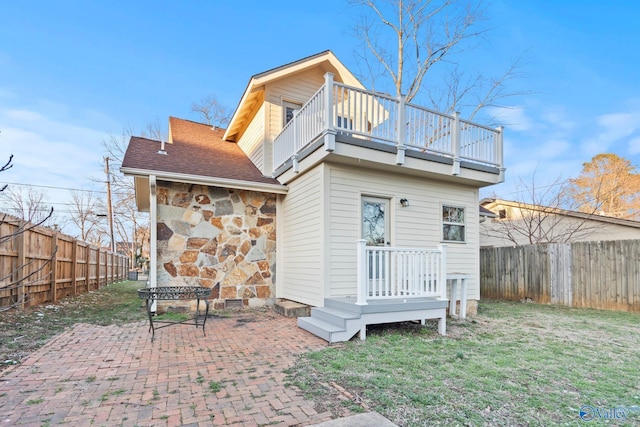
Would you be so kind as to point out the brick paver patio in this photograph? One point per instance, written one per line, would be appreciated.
(114, 375)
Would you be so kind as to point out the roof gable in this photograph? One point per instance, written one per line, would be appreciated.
(326, 61)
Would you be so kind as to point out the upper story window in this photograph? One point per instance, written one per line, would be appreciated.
(453, 224)
(344, 123)
(289, 109)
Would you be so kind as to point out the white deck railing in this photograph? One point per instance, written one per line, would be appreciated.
(381, 118)
(386, 272)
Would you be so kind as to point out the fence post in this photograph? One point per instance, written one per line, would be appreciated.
(22, 261)
(362, 276)
(87, 267)
(98, 268)
(74, 267)
(54, 266)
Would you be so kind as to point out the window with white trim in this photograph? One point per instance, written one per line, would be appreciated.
(453, 224)
(289, 110)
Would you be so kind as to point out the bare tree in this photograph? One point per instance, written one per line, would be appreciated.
(540, 214)
(212, 111)
(403, 40)
(6, 167)
(609, 185)
(27, 204)
(84, 214)
(27, 273)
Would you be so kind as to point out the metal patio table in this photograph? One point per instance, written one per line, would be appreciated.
(166, 293)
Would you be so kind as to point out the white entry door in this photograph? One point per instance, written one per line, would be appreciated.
(375, 230)
(375, 221)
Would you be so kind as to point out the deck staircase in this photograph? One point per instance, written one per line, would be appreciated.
(341, 318)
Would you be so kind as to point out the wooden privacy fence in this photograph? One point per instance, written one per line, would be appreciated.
(604, 275)
(33, 272)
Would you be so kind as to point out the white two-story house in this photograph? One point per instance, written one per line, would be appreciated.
(321, 192)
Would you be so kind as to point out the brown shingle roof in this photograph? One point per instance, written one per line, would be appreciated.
(197, 150)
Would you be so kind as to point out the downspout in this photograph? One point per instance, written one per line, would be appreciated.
(153, 228)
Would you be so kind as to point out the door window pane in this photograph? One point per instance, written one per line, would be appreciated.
(374, 221)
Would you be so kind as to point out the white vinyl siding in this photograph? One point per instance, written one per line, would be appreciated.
(252, 140)
(301, 244)
(418, 225)
(296, 89)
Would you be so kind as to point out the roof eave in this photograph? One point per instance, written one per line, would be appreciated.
(209, 181)
(573, 214)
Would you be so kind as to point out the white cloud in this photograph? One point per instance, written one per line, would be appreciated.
(557, 119)
(634, 145)
(553, 148)
(52, 149)
(619, 125)
(513, 118)
(612, 129)
(23, 115)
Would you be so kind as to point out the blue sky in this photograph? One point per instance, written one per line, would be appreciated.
(74, 72)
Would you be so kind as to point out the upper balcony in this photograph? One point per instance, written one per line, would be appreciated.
(342, 114)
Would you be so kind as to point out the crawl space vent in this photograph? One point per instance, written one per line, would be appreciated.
(233, 303)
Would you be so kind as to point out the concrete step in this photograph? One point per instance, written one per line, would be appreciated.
(291, 308)
(360, 420)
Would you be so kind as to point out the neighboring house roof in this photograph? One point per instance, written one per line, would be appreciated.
(195, 153)
(254, 91)
(486, 212)
(497, 203)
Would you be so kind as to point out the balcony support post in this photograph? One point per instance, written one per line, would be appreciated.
(402, 130)
(455, 144)
(330, 136)
(294, 163)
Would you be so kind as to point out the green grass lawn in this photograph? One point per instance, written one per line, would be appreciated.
(513, 364)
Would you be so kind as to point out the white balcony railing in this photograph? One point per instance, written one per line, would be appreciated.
(362, 114)
(389, 273)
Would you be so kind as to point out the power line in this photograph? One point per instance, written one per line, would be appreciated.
(119, 193)
(51, 187)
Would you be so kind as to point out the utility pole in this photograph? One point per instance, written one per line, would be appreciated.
(109, 205)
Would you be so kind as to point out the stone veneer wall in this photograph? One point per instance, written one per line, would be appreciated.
(220, 238)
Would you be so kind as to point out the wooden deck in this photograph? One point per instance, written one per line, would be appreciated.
(341, 318)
